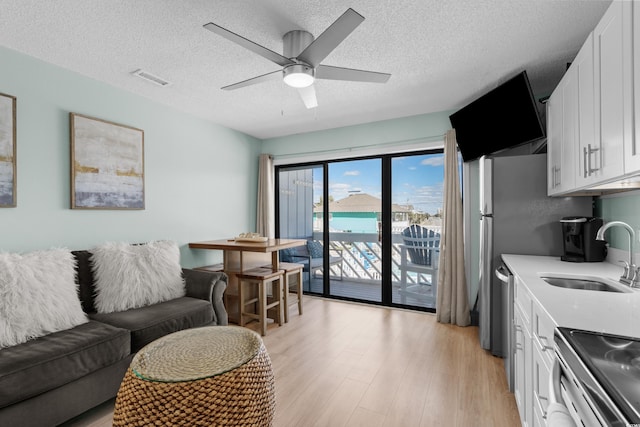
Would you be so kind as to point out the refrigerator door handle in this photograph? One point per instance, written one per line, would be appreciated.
(502, 274)
(484, 284)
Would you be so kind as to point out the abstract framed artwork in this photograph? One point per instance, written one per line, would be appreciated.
(107, 164)
(7, 151)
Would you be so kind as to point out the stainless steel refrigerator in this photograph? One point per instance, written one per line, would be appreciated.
(516, 217)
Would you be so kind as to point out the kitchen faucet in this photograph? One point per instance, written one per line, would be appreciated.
(630, 274)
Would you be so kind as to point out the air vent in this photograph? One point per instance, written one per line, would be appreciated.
(151, 78)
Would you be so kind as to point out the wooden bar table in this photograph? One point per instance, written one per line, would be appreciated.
(240, 255)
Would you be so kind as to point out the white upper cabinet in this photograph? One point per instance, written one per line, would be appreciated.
(554, 141)
(587, 144)
(569, 129)
(599, 110)
(562, 134)
(632, 149)
(612, 39)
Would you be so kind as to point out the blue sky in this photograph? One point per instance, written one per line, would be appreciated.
(416, 180)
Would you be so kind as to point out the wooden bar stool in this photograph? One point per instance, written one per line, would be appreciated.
(259, 279)
(292, 280)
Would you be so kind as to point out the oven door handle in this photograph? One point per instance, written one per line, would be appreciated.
(557, 413)
(555, 390)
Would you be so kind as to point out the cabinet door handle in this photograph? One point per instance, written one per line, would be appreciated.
(584, 152)
(590, 151)
(554, 176)
(543, 343)
(539, 400)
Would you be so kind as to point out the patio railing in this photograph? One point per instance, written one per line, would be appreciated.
(362, 256)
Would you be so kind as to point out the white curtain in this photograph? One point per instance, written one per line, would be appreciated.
(265, 221)
(452, 302)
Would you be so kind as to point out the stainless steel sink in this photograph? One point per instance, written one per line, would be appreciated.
(585, 283)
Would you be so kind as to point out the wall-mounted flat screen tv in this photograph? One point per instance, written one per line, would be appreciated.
(502, 118)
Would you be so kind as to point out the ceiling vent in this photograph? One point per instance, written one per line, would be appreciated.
(151, 78)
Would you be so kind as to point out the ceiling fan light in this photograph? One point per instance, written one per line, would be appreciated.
(298, 75)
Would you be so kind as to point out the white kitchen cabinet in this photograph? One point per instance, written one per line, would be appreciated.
(562, 134)
(587, 144)
(591, 127)
(542, 328)
(522, 363)
(533, 358)
(522, 351)
(612, 40)
(539, 387)
(522, 299)
(632, 148)
(542, 352)
(554, 142)
(569, 129)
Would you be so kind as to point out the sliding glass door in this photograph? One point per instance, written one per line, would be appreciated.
(355, 229)
(372, 226)
(300, 192)
(417, 194)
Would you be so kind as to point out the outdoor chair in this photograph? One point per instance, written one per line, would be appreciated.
(419, 254)
(311, 256)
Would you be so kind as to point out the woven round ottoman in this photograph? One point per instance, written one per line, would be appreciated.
(211, 376)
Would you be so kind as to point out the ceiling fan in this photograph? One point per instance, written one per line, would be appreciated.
(302, 56)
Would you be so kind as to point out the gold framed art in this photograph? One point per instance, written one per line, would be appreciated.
(8, 175)
(107, 164)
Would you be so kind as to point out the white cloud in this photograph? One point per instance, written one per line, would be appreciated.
(427, 198)
(339, 190)
(352, 173)
(433, 161)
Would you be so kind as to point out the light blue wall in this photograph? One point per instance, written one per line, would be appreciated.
(428, 127)
(620, 207)
(200, 178)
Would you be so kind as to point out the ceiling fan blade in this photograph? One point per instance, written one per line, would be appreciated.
(308, 95)
(274, 75)
(248, 44)
(321, 47)
(328, 72)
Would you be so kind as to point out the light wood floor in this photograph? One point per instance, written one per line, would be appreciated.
(344, 364)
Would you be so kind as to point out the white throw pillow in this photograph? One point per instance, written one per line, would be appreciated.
(132, 276)
(38, 295)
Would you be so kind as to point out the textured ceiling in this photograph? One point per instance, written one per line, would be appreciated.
(441, 53)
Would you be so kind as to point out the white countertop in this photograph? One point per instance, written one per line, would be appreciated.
(610, 312)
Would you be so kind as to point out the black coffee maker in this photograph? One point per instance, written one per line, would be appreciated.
(579, 239)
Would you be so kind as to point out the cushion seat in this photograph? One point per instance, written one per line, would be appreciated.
(152, 322)
(59, 358)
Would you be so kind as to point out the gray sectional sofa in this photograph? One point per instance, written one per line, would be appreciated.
(49, 380)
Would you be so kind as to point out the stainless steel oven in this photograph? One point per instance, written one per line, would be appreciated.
(596, 377)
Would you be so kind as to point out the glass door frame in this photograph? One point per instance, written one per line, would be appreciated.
(386, 241)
